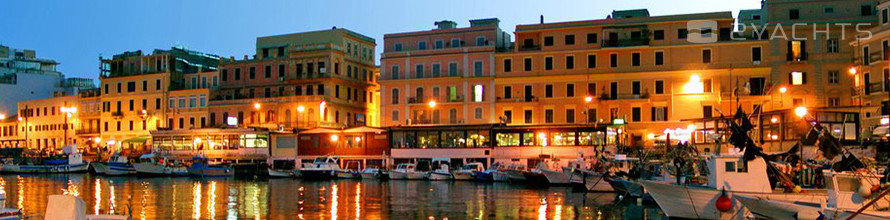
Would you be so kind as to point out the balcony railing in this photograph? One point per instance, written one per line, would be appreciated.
(518, 99)
(86, 131)
(606, 96)
(873, 88)
(529, 48)
(117, 114)
(625, 42)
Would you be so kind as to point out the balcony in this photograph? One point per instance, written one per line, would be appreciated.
(306, 76)
(606, 96)
(518, 99)
(874, 87)
(86, 131)
(625, 42)
(117, 114)
(455, 99)
(529, 48)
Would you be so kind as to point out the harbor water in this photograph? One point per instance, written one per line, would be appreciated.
(228, 198)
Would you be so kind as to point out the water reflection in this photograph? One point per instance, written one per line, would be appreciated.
(179, 198)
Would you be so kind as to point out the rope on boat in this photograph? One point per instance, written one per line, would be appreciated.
(688, 196)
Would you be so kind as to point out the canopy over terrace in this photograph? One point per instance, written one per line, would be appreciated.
(215, 143)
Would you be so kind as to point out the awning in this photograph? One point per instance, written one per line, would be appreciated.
(136, 140)
(881, 131)
(363, 129)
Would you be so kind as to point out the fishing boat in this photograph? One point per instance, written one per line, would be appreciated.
(70, 161)
(846, 193)
(592, 181)
(536, 176)
(371, 173)
(347, 173)
(117, 165)
(560, 176)
(322, 168)
(441, 173)
(489, 174)
(155, 165)
(469, 171)
(279, 173)
(406, 171)
(515, 172)
(728, 176)
(73, 207)
(202, 168)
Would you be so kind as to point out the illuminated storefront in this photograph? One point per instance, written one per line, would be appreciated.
(227, 144)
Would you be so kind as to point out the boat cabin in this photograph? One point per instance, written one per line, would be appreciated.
(733, 173)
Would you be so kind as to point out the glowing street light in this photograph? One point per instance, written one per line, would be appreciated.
(694, 86)
(301, 108)
(588, 99)
(256, 105)
(852, 70)
(432, 103)
(800, 111)
(335, 138)
(783, 89)
(773, 120)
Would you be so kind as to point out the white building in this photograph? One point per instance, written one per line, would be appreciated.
(23, 76)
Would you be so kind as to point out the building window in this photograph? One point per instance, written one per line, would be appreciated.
(797, 78)
(251, 73)
(480, 41)
(706, 55)
(508, 65)
(452, 69)
(867, 10)
(659, 113)
(418, 71)
(267, 71)
(834, 77)
(477, 113)
(570, 90)
(548, 41)
(707, 85)
(681, 33)
(508, 116)
(885, 16)
(591, 38)
(436, 70)
(439, 44)
(794, 14)
(635, 114)
(635, 59)
(548, 91)
(548, 116)
(658, 35)
(478, 93)
(659, 86)
(591, 61)
(834, 101)
(394, 74)
(591, 89)
(570, 115)
(796, 50)
(395, 115)
(508, 92)
(528, 64)
(659, 58)
(237, 73)
(635, 88)
(866, 56)
(477, 68)
(548, 63)
(527, 116)
(570, 39)
(707, 111)
(828, 10)
(570, 62)
(455, 42)
(398, 47)
(613, 60)
(756, 55)
(421, 45)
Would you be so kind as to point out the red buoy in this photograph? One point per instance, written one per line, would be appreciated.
(724, 203)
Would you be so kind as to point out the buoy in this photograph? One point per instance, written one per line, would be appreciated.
(796, 189)
(864, 188)
(723, 203)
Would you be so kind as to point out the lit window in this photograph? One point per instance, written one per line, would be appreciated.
(477, 93)
(797, 78)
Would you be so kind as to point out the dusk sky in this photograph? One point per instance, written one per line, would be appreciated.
(75, 33)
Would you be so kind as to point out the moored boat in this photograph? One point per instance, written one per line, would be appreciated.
(347, 172)
(514, 173)
(70, 161)
(406, 171)
(468, 171)
(118, 165)
(373, 173)
(279, 173)
(322, 168)
(202, 168)
(156, 165)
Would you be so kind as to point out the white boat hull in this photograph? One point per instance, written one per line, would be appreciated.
(464, 175)
(15, 168)
(439, 176)
(698, 202)
(369, 176)
(346, 174)
(500, 176)
(557, 177)
(398, 175)
(773, 209)
(279, 173)
(153, 169)
(416, 175)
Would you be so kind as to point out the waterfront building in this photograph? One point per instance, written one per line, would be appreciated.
(303, 80)
(639, 74)
(230, 144)
(368, 146)
(139, 91)
(88, 124)
(48, 124)
(871, 72)
(441, 76)
(9, 129)
(24, 76)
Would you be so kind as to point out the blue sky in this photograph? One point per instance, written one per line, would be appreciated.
(75, 33)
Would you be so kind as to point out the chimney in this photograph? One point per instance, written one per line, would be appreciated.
(245, 56)
(445, 24)
(542, 19)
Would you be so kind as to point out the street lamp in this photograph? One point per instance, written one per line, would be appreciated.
(432, 103)
(782, 91)
(2, 116)
(257, 106)
(800, 111)
(852, 71)
(68, 111)
(300, 110)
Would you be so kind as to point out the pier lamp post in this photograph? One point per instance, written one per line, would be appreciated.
(68, 111)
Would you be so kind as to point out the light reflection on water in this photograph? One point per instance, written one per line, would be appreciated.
(184, 198)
